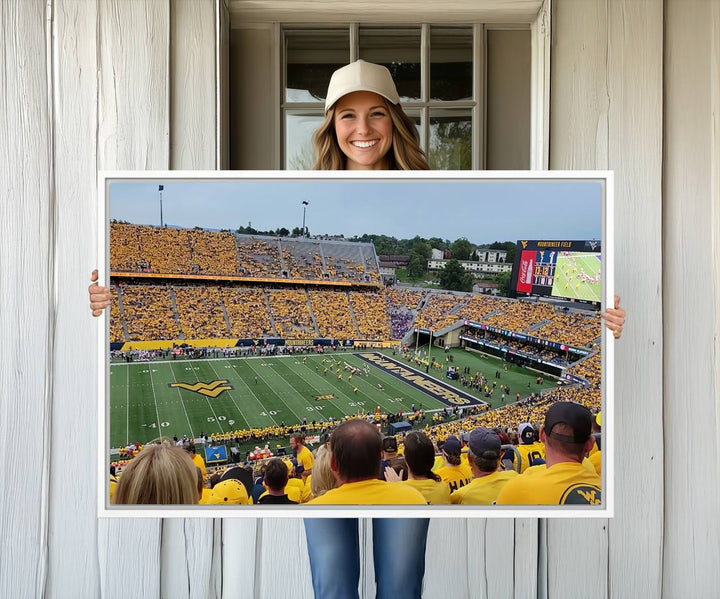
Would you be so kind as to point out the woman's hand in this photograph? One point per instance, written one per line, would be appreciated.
(615, 318)
(99, 296)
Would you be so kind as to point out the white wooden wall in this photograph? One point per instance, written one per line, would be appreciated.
(112, 84)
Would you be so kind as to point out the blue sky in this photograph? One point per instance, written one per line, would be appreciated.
(483, 211)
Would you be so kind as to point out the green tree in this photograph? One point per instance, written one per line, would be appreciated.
(417, 266)
(461, 249)
(455, 278)
(503, 281)
(437, 244)
(508, 246)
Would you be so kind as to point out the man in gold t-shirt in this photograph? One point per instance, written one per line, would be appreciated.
(484, 455)
(356, 449)
(563, 479)
(303, 454)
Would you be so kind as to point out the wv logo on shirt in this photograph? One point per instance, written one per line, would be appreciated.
(211, 389)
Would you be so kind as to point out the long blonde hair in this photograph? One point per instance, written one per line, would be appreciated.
(159, 475)
(322, 478)
(405, 153)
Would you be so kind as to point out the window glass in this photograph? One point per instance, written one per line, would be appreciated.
(451, 63)
(310, 59)
(299, 149)
(398, 50)
(450, 146)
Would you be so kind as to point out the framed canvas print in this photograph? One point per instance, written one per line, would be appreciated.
(323, 344)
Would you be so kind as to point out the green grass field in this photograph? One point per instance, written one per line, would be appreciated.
(259, 392)
(569, 280)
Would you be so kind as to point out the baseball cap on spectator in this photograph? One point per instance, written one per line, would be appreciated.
(452, 446)
(576, 416)
(482, 440)
(389, 444)
(464, 436)
(504, 439)
(526, 432)
(228, 492)
(361, 76)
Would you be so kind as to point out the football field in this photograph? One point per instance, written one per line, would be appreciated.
(577, 275)
(189, 397)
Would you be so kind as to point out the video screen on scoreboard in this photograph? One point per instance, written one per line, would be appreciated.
(558, 268)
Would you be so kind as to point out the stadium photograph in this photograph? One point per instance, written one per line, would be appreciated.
(416, 324)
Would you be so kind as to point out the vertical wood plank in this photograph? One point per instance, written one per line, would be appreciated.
(240, 560)
(187, 558)
(27, 318)
(575, 552)
(692, 320)
(491, 558)
(283, 566)
(607, 113)
(133, 129)
(72, 546)
(526, 547)
(635, 91)
(193, 85)
(189, 566)
(446, 558)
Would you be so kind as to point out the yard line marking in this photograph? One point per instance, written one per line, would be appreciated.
(277, 394)
(232, 399)
(197, 378)
(182, 403)
(157, 413)
(127, 417)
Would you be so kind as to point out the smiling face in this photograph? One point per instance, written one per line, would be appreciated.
(364, 130)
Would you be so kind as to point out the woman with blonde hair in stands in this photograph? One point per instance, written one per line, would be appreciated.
(322, 478)
(159, 475)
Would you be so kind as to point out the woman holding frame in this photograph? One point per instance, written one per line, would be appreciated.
(365, 128)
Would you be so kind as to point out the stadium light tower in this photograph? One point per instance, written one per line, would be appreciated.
(304, 205)
(160, 190)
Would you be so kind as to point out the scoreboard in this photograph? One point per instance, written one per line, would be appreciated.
(568, 269)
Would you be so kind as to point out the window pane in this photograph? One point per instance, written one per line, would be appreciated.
(299, 150)
(450, 145)
(398, 50)
(451, 55)
(311, 58)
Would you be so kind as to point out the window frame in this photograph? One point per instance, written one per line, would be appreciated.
(538, 23)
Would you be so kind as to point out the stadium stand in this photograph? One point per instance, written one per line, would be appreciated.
(332, 314)
(117, 334)
(247, 312)
(291, 314)
(212, 253)
(575, 328)
(149, 313)
(371, 313)
(200, 312)
(140, 248)
(439, 309)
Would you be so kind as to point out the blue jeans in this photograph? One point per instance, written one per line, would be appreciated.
(398, 555)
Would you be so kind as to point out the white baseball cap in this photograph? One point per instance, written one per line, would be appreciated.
(361, 76)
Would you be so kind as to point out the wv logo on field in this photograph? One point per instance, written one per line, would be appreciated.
(212, 389)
